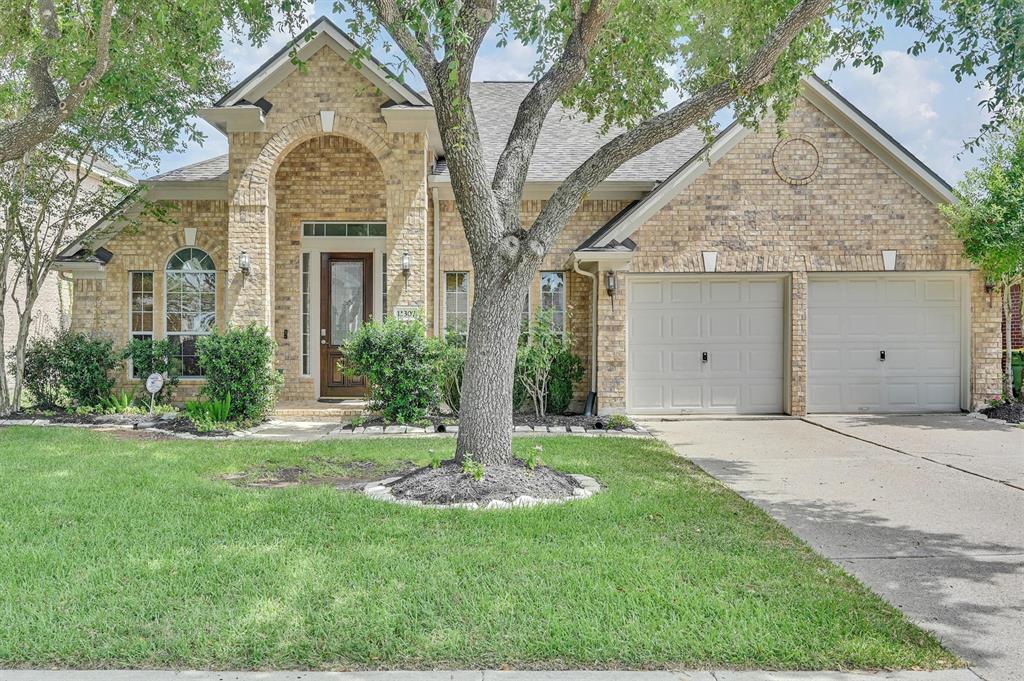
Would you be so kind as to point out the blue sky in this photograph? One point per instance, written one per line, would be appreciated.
(915, 99)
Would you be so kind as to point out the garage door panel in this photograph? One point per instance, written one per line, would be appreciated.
(646, 362)
(688, 396)
(724, 292)
(916, 320)
(645, 292)
(764, 325)
(737, 321)
(724, 325)
(685, 325)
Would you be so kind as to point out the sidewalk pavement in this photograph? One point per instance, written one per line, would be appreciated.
(724, 675)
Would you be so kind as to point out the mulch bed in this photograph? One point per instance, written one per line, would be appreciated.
(447, 484)
(1011, 412)
(519, 419)
(346, 475)
(179, 424)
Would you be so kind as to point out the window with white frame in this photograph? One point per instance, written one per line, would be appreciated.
(305, 314)
(456, 304)
(552, 298)
(191, 305)
(140, 307)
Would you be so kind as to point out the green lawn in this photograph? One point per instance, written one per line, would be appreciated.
(119, 553)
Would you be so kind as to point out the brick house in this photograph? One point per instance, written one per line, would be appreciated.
(754, 274)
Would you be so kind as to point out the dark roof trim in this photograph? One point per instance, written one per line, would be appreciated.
(73, 251)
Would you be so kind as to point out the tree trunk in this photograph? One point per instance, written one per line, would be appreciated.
(485, 413)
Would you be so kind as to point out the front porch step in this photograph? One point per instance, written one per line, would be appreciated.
(319, 411)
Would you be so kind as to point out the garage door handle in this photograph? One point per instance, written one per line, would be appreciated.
(704, 357)
(881, 355)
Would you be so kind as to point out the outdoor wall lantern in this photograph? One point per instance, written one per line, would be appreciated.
(244, 263)
(406, 263)
(610, 282)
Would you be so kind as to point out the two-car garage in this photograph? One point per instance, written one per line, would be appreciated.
(720, 343)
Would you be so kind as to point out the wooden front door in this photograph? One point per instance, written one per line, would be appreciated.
(346, 303)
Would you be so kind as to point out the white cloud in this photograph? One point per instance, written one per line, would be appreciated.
(512, 62)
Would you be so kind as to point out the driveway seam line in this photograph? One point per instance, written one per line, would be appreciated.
(929, 557)
(912, 455)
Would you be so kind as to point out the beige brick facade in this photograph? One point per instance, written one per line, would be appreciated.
(326, 154)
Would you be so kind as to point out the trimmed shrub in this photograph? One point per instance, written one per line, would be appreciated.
(153, 357)
(238, 363)
(400, 364)
(42, 372)
(535, 359)
(566, 371)
(85, 366)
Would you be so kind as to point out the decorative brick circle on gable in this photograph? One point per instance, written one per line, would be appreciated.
(796, 160)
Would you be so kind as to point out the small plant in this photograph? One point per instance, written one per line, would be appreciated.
(357, 421)
(472, 468)
(533, 458)
(566, 372)
(210, 411)
(423, 423)
(618, 422)
(119, 403)
(435, 459)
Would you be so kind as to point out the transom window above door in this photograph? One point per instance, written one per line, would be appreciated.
(344, 229)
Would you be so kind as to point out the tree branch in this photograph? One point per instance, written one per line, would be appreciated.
(755, 73)
(48, 110)
(567, 71)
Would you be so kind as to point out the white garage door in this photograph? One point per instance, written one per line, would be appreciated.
(705, 344)
(884, 343)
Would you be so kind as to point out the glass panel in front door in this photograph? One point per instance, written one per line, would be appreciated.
(346, 299)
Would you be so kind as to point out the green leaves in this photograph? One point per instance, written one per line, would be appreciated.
(239, 372)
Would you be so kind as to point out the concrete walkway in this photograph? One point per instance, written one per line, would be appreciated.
(926, 510)
(100, 675)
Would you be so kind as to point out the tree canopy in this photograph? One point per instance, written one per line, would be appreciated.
(146, 63)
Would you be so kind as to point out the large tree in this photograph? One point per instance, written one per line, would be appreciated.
(989, 218)
(617, 59)
(156, 60)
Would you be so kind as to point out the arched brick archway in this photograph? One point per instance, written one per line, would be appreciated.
(251, 212)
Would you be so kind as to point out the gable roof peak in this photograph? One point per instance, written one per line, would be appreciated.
(321, 33)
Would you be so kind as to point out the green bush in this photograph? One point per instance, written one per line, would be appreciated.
(42, 372)
(400, 364)
(85, 366)
(566, 371)
(153, 357)
(238, 363)
(451, 363)
(535, 360)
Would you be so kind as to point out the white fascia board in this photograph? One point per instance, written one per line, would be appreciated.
(610, 189)
(865, 131)
(82, 270)
(247, 118)
(420, 119)
(676, 182)
(604, 259)
(272, 73)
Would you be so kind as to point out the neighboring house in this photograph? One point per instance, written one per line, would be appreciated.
(52, 310)
(1015, 329)
(752, 275)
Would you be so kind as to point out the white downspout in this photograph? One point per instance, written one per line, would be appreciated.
(437, 259)
(593, 321)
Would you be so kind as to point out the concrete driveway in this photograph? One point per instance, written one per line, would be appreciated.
(926, 510)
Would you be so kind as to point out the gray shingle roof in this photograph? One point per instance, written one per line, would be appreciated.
(567, 139)
(215, 168)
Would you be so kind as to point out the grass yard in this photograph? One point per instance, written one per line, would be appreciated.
(132, 553)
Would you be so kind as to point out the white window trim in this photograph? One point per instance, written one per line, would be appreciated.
(168, 334)
(565, 296)
(132, 333)
(469, 306)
